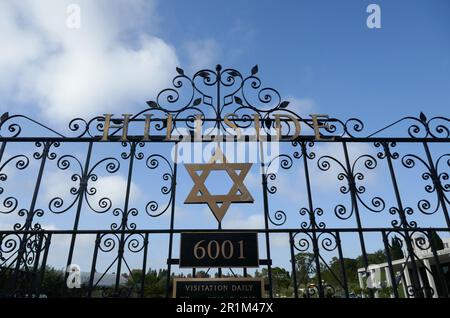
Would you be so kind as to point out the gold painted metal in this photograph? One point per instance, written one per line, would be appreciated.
(169, 127)
(278, 125)
(317, 126)
(228, 121)
(148, 117)
(218, 204)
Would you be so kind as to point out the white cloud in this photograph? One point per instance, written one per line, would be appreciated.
(279, 240)
(113, 187)
(58, 184)
(59, 248)
(105, 65)
(301, 106)
(255, 221)
(327, 180)
(202, 53)
(239, 221)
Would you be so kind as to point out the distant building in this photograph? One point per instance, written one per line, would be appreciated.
(426, 265)
(106, 280)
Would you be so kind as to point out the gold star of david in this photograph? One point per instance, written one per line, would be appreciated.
(218, 204)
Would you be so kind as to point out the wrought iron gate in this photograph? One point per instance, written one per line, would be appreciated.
(414, 258)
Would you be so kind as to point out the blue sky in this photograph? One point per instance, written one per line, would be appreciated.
(320, 55)
(323, 50)
(319, 52)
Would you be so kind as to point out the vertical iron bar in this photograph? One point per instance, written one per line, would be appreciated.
(266, 220)
(218, 104)
(437, 184)
(389, 261)
(172, 219)
(123, 225)
(2, 150)
(438, 266)
(94, 263)
(342, 264)
(82, 189)
(312, 221)
(293, 264)
(44, 264)
(144, 264)
(219, 270)
(30, 214)
(404, 222)
(218, 120)
(352, 187)
(404, 282)
(34, 273)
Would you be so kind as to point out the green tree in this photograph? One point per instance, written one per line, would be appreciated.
(281, 280)
(437, 241)
(333, 274)
(154, 282)
(305, 267)
(396, 249)
(202, 274)
(377, 257)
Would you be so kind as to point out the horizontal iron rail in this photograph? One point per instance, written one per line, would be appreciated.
(287, 230)
(225, 138)
(176, 261)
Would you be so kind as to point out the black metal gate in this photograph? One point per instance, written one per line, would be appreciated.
(409, 158)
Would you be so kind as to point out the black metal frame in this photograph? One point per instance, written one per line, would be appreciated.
(24, 248)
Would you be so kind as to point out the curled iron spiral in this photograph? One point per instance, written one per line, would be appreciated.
(152, 207)
(352, 176)
(56, 204)
(438, 179)
(10, 203)
(301, 241)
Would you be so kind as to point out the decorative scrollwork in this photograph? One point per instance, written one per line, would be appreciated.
(304, 150)
(285, 162)
(327, 240)
(135, 242)
(236, 93)
(152, 207)
(438, 179)
(14, 129)
(112, 165)
(402, 223)
(56, 204)
(124, 225)
(312, 224)
(420, 127)
(421, 240)
(8, 245)
(108, 242)
(352, 176)
(243, 96)
(279, 218)
(329, 291)
(351, 127)
(10, 203)
(34, 244)
(209, 95)
(302, 242)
